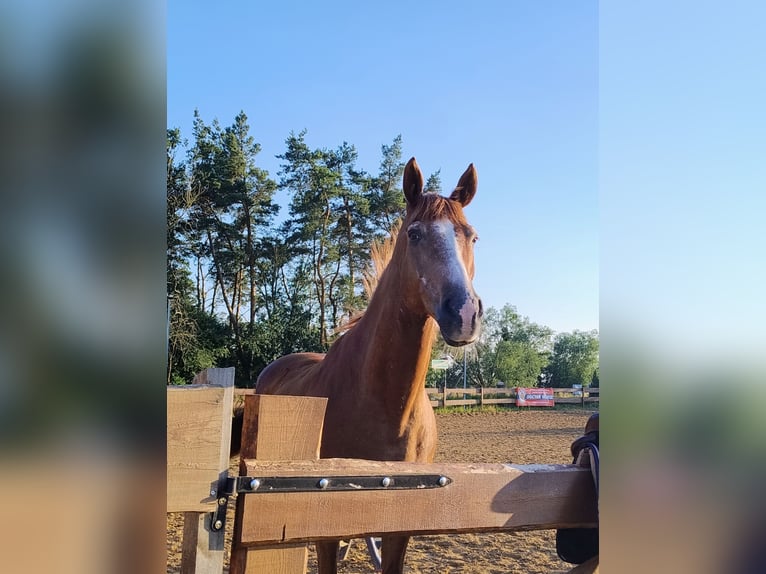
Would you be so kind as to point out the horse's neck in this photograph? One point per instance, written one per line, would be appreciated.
(396, 346)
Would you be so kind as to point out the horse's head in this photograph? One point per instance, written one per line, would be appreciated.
(439, 263)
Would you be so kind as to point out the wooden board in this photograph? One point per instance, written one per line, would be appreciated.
(503, 401)
(198, 438)
(202, 548)
(461, 402)
(275, 428)
(282, 427)
(482, 497)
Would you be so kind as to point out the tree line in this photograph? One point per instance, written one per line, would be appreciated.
(248, 284)
(512, 351)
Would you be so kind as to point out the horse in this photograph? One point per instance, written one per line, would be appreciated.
(374, 374)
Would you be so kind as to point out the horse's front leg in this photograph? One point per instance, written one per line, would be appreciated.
(327, 556)
(393, 549)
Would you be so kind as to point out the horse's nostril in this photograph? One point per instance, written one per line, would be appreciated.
(454, 306)
(451, 306)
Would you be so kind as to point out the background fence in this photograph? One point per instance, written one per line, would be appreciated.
(479, 396)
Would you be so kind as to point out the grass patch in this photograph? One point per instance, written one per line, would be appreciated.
(566, 407)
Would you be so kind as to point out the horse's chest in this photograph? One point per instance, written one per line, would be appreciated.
(377, 437)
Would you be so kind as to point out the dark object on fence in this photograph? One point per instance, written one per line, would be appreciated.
(238, 416)
(577, 545)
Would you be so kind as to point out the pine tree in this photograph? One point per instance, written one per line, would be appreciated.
(233, 208)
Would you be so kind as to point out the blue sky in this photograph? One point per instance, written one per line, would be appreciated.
(509, 86)
(682, 162)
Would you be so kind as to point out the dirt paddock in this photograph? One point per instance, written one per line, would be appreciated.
(515, 436)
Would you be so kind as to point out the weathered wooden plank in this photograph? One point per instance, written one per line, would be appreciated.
(482, 497)
(503, 401)
(282, 427)
(275, 428)
(198, 438)
(282, 559)
(202, 548)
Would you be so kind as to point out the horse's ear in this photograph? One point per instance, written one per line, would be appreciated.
(413, 182)
(466, 187)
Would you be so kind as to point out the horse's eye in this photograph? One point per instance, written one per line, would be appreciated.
(414, 235)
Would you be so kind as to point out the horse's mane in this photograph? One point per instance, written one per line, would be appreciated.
(433, 206)
(381, 252)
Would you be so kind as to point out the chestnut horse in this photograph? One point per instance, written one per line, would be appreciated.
(374, 374)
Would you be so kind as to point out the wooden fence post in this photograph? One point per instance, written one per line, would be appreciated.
(276, 428)
(198, 440)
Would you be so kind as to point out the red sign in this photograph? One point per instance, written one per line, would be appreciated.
(526, 397)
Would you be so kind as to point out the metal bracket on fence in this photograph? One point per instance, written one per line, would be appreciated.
(267, 484)
(222, 493)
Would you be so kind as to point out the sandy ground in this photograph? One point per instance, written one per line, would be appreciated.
(514, 436)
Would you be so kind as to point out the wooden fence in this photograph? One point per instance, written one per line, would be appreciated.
(280, 438)
(479, 396)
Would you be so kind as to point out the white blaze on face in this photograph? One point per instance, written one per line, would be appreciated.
(446, 247)
(455, 271)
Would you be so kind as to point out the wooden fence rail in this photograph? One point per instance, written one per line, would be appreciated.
(480, 498)
(479, 396)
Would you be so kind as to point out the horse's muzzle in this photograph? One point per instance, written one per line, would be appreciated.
(459, 319)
